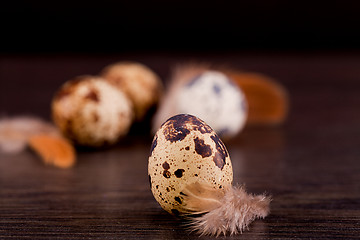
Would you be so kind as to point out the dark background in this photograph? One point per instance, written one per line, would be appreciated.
(309, 164)
(111, 26)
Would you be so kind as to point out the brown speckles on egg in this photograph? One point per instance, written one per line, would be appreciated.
(166, 165)
(95, 117)
(92, 96)
(177, 199)
(200, 126)
(201, 148)
(166, 174)
(179, 173)
(219, 160)
(193, 123)
(221, 152)
(187, 148)
(219, 145)
(175, 131)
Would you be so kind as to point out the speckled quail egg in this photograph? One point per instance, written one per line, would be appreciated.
(186, 150)
(213, 97)
(140, 84)
(91, 112)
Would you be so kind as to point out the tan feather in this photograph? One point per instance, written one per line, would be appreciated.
(221, 211)
(201, 198)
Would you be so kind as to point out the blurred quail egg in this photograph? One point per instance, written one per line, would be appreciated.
(213, 97)
(186, 150)
(91, 112)
(140, 84)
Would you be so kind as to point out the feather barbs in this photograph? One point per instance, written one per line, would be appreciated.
(221, 211)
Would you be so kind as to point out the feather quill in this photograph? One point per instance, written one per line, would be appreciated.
(221, 211)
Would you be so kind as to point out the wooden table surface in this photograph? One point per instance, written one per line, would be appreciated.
(310, 165)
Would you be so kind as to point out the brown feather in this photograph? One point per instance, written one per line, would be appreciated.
(215, 212)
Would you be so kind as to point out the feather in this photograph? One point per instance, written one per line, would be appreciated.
(15, 132)
(41, 136)
(268, 99)
(221, 211)
(53, 150)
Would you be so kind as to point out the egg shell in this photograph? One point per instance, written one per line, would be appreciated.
(213, 97)
(140, 84)
(91, 112)
(186, 150)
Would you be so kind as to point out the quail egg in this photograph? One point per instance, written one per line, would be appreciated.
(92, 112)
(186, 150)
(213, 97)
(140, 84)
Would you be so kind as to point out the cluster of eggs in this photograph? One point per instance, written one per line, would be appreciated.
(98, 110)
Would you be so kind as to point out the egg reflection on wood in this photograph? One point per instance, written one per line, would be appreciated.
(209, 95)
(91, 112)
(191, 174)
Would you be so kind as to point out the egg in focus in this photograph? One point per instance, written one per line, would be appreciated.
(91, 112)
(186, 150)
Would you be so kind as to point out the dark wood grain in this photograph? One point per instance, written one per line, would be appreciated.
(310, 165)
